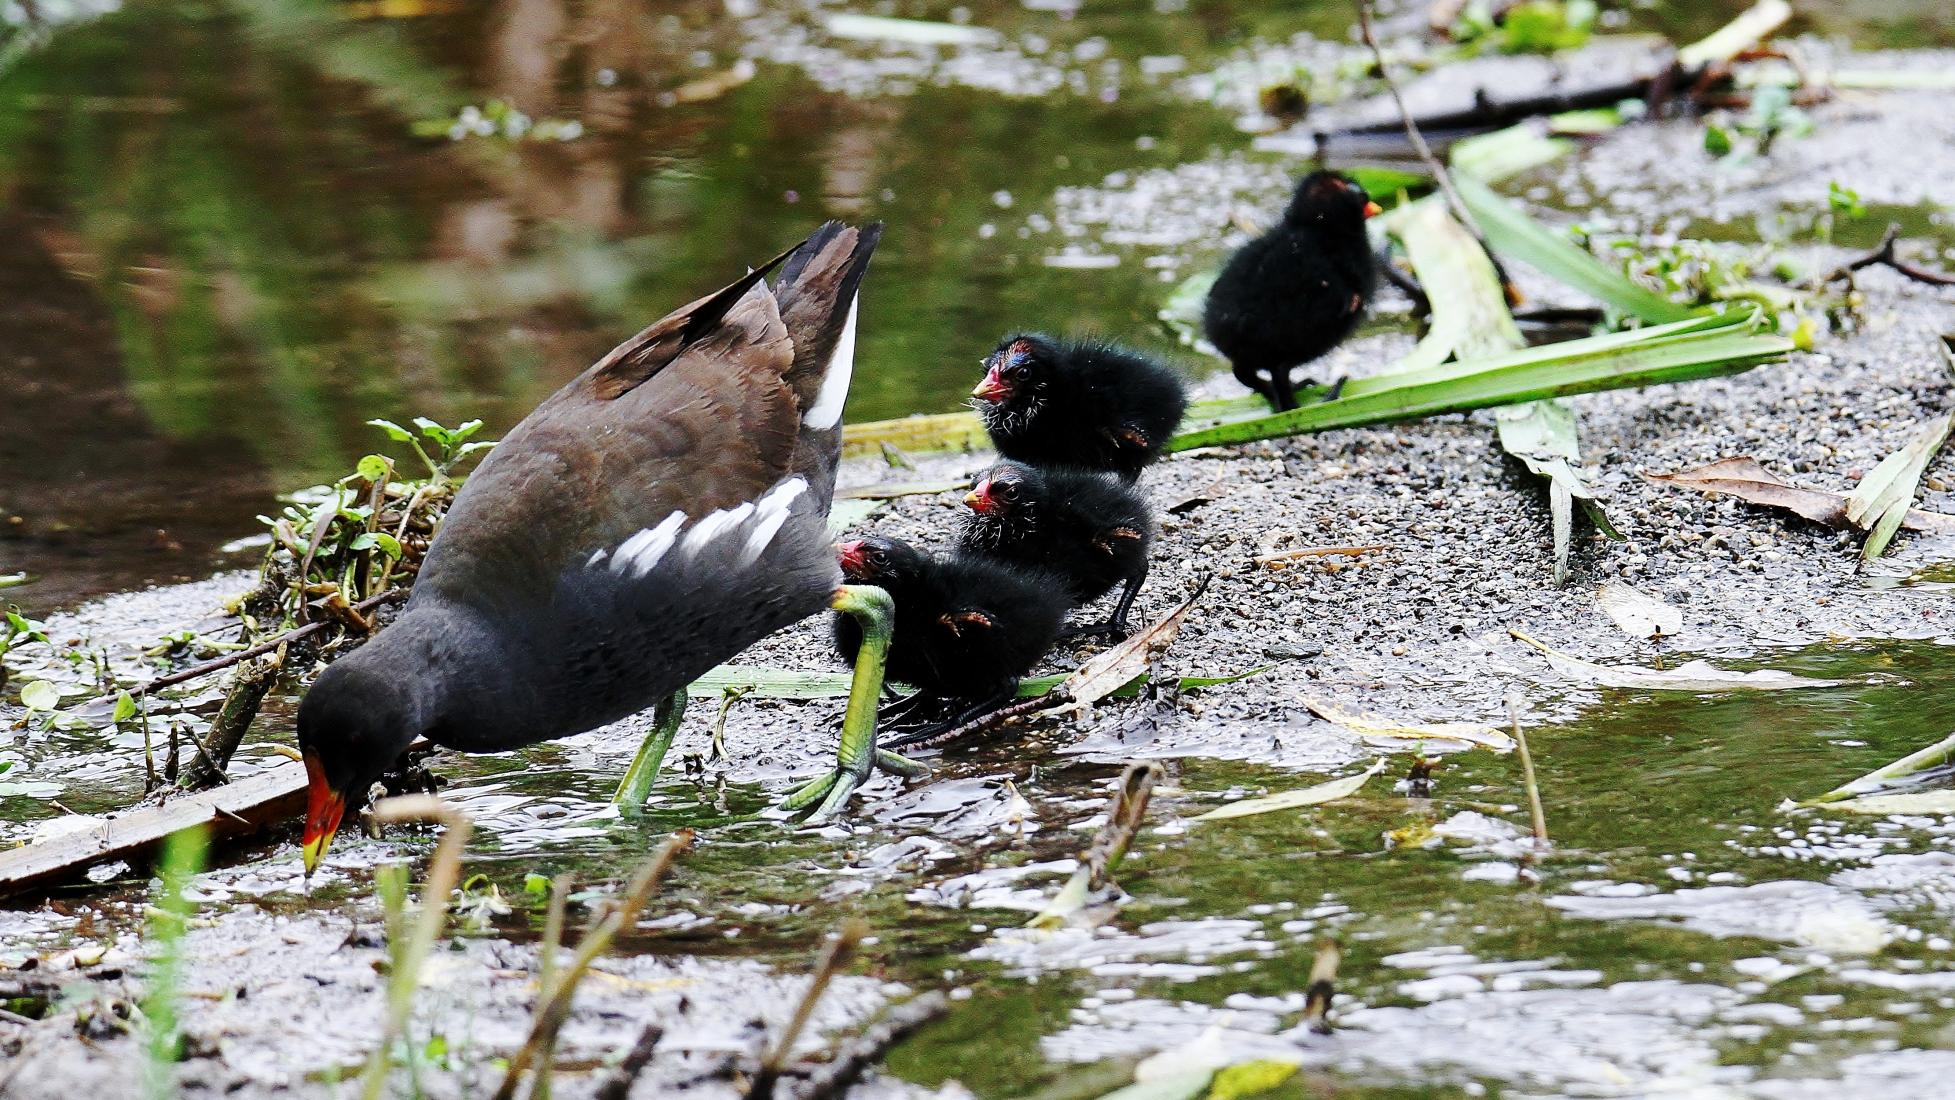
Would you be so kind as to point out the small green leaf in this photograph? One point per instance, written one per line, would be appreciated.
(1844, 200)
(389, 545)
(40, 695)
(536, 885)
(471, 448)
(1250, 1078)
(394, 431)
(1717, 141)
(374, 467)
(125, 707)
(465, 429)
(434, 431)
(366, 540)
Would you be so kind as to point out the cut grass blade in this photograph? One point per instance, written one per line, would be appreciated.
(1884, 497)
(1728, 344)
(1689, 676)
(1297, 799)
(780, 683)
(1935, 756)
(1374, 729)
(1511, 232)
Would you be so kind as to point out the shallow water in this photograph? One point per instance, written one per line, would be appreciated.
(225, 251)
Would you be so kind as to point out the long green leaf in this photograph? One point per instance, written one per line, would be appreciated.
(1469, 310)
(781, 683)
(1512, 233)
(1559, 370)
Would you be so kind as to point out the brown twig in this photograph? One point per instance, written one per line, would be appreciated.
(1318, 552)
(872, 1046)
(835, 954)
(617, 1084)
(1884, 256)
(1438, 170)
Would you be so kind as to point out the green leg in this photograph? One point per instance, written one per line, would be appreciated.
(857, 758)
(637, 784)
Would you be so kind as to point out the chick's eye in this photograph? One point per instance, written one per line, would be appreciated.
(1008, 491)
(878, 559)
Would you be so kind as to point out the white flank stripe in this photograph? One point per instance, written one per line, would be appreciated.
(714, 525)
(827, 410)
(643, 550)
(597, 559)
(773, 512)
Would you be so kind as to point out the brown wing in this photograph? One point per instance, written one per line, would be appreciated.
(711, 427)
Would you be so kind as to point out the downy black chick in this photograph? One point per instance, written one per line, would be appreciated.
(1298, 290)
(1078, 403)
(967, 628)
(1090, 528)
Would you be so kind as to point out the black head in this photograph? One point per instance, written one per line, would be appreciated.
(1330, 198)
(353, 725)
(1007, 491)
(1018, 370)
(881, 561)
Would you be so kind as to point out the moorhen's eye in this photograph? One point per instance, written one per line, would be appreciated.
(878, 559)
(1008, 491)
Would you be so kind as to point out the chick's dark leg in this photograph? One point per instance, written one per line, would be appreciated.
(637, 783)
(1116, 627)
(1247, 374)
(970, 712)
(857, 758)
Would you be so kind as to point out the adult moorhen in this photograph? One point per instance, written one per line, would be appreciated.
(967, 628)
(1091, 528)
(1078, 403)
(1298, 290)
(658, 514)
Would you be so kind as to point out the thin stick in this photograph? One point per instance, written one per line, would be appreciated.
(872, 1046)
(1057, 697)
(1884, 255)
(443, 873)
(835, 954)
(617, 1084)
(551, 1015)
(1438, 170)
(1527, 777)
(220, 663)
(1318, 552)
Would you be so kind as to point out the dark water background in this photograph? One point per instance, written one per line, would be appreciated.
(223, 247)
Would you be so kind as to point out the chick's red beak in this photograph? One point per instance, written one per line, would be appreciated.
(993, 388)
(324, 808)
(851, 557)
(980, 498)
(1372, 210)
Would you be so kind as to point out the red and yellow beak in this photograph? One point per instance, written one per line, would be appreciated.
(1372, 210)
(850, 554)
(324, 808)
(993, 388)
(980, 499)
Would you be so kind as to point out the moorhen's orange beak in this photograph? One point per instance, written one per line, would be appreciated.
(850, 554)
(1372, 210)
(324, 807)
(993, 388)
(980, 498)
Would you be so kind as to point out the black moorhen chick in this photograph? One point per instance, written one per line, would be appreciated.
(1080, 403)
(1298, 290)
(966, 627)
(1091, 528)
(661, 512)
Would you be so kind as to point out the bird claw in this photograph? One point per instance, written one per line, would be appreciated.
(833, 790)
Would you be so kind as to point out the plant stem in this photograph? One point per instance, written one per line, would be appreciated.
(443, 873)
(556, 1008)
(1540, 818)
(835, 954)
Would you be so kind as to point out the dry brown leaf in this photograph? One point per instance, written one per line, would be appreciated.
(1744, 478)
(1117, 667)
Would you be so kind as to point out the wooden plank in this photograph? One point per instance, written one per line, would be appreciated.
(244, 806)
